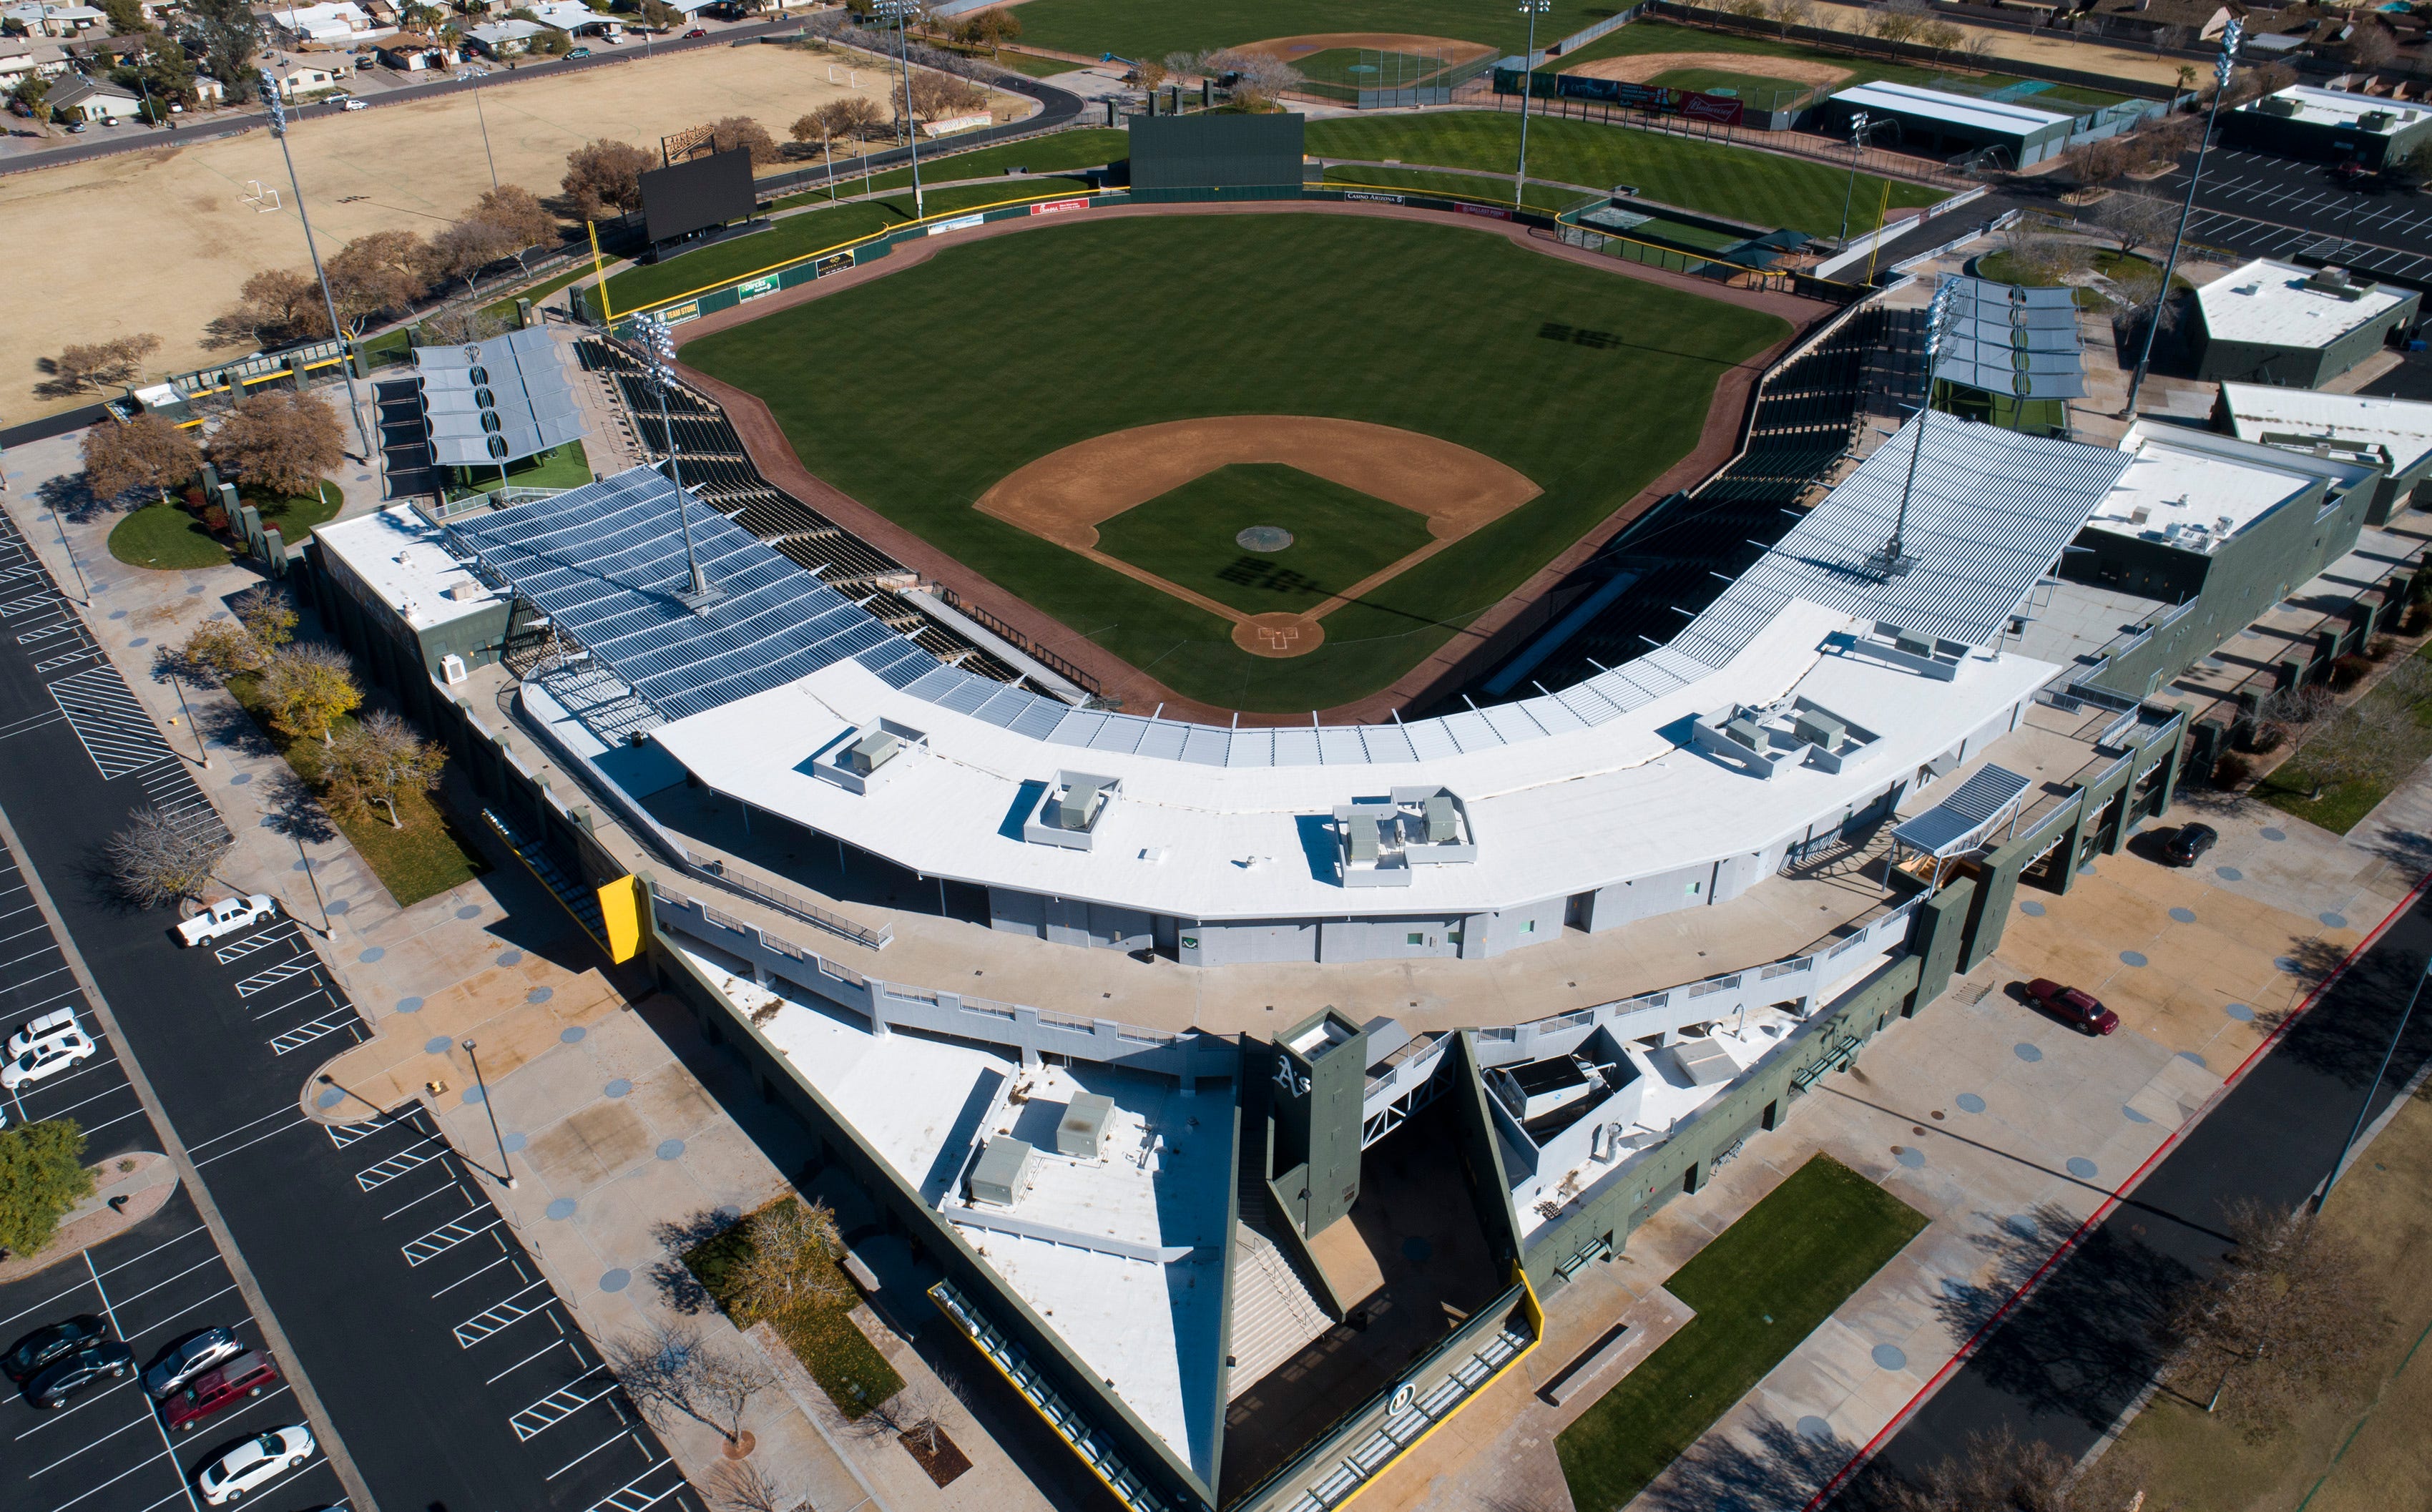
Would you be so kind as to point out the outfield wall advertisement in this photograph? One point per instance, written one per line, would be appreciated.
(1720, 110)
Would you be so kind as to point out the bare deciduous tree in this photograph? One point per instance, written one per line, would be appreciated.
(1785, 14)
(2291, 1311)
(2135, 220)
(2001, 1474)
(149, 451)
(374, 761)
(603, 175)
(911, 1413)
(377, 275)
(724, 1384)
(100, 365)
(792, 1262)
(1256, 78)
(154, 861)
(2041, 249)
(1900, 21)
(275, 305)
(940, 94)
(2299, 703)
(516, 211)
(745, 1485)
(463, 250)
(741, 131)
(267, 614)
(454, 327)
(670, 1368)
(280, 442)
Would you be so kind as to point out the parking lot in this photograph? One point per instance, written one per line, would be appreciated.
(2261, 207)
(35, 980)
(110, 1451)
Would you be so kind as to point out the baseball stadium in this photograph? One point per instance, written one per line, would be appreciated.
(1048, 709)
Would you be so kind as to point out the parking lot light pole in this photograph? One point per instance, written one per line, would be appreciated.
(1857, 146)
(1532, 9)
(345, 360)
(506, 1171)
(2222, 67)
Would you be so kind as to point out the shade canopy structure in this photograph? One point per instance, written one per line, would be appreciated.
(2005, 339)
(1959, 823)
(488, 403)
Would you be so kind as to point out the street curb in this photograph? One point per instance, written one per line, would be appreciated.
(2105, 1208)
(358, 1494)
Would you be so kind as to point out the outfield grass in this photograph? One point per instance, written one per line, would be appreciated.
(1322, 315)
(1030, 66)
(1545, 197)
(1136, 30)
(1759, 91)
(1744, 185)
(1340, 535)
(798, 236)
(1759, 1288)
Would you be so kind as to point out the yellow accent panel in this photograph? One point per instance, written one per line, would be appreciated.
(622, 912)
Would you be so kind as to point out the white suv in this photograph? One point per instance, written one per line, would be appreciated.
(255, 1463)
(46, 1047)
(227, 916)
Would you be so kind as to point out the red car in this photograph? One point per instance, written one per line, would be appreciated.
(2347, 172)
(2080, 1008)
(698, 31)
(216, 1390)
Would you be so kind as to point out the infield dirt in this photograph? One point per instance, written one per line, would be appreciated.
(1293, 48)
(1640, 67)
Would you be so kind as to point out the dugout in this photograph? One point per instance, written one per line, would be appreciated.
(2329, 125)
(1216, 157)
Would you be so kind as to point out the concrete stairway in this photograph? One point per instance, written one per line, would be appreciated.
(1273, 1315)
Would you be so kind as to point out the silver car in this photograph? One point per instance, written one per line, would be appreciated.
(190, 1357)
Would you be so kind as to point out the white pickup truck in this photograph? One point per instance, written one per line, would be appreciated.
(227, 916)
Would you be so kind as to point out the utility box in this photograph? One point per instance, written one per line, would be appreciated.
(1003, 1176)
(1821, 730)
(872, 751)
(1082, 1132)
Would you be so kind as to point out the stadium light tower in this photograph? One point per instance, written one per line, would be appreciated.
(1857, 146)
(346, 362)
(902, 12)
(659, 354)
(1892, 559)
(2222, 66)
(1532, 9)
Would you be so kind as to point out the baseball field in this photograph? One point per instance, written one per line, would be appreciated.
(1271, 459)
(1136, 30)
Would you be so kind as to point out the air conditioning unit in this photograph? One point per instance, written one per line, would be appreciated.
(451, 666)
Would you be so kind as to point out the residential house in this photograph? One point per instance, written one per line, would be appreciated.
(502, 38)
(21, 56)
(413, 52)
(574, 17)
(92, 99)
(339, 24)
(299, 77)
(43, 18)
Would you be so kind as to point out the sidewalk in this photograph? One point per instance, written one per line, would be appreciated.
(620, 1125)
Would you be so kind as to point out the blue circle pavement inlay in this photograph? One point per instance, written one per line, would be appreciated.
(118, 613)
(239, 779)
(670, 1148)
(513, 1142)
(1817, 1428)
(2275, 834)
(409, 1005)
(2288, 964)
(2132, 1115)
(2190, 1055)
(1970, 1102)
(616, 1088)
(2133, 958)
(470, 911)
(510, 957)
(571, 1035)
(2032, 909)
(437, 1045)
(2239, 1012)
(560, 1208)
(1891, 1357)
(2337, 921)
(2082, 1168)
(1912, 1157)
(2021, 1225)
(339, 905)
(330, 1097)
(616, 1280)
(2027, 1052)
(540, 994)
(2229, 874)
(2185, 915)
(140, 640)
(2085, 870)
(370, 955)
(474, 1096)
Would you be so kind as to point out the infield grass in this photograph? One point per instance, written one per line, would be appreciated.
(1746, 185)
(1340, 535)
(1759, 1288)
(1437, 329)
(1136, 30)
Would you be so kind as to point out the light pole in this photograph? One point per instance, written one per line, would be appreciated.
(2322, 1194)
(506, 1169)
(345, 360)
(1892, 559)
(2222, 67)
(484, 116)
(1532, 9)
(84, 589)
(659, 348)
(901, 11)
(1857, 146)
(318, 901)
(201, 754)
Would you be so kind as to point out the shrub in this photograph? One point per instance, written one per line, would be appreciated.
(2231, 770)
(2418, 617)
(2349, 670)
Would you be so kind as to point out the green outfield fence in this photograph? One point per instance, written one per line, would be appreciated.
(727, 294)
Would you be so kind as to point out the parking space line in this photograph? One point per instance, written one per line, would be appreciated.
(40, 1305)
(170, 1454)
(560, 1405)
(131, 1422)
(51, 1418)
(318, 991)
(450, 1185)
(305, 1034)
(534, 1356)
(629, 1497)
(203, 1301)
(461, 1280)
(232, 1133)
(176, 1238)
(380, 1173)
(167, 1449)
(274, 1133)
(447, 1236)
(147, 1292)
(587, 1454)
(501, 1315)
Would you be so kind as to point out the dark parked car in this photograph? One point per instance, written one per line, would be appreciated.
(28, 1357)
(63, 1379)
(190, 1357)
(2187, 846)
(2347, 172)
(244, 1376)
(2080, 1008)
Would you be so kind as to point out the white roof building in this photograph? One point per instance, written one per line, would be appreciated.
(404, 562)
(2181, 490)
(2280, 304)
(500, 37)
(47, 20)
(571, 15)
(2338, 109)
(2392, 435)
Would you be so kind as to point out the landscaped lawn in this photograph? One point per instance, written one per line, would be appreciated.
(830, 1345)
(920, 434)
(1340, 536)
(798, 236)
(1135, 30)
(425, 858)
(1758, 187)
(168, 537)
(2001, 267)
(566, 466)
(2400, 708)
(1759, 1288)
(1031, 65)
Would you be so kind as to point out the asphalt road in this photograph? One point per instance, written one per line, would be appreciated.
(2067, 1363)
(450, 1369)
(2281, 208)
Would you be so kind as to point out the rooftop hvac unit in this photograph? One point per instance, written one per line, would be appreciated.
(1745, 730)
(1361, 830)
(1914, 643)
(1002, 1175)
(1082, 1132)
(1821, 730)
(1079, 801)
(451, 666)
(2275, 105)
(2139, 514)
(872, 751)
(1441, 829)
(1545, 1086)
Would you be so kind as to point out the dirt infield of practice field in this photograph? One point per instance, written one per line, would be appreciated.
(1292, 49)
(161, 240)
(1640, 67)
(1520, 613)
(1065, 496)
